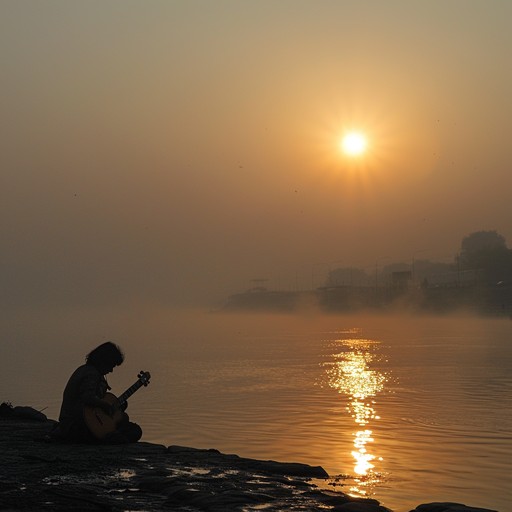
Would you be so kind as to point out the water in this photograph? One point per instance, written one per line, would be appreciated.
(405, 410)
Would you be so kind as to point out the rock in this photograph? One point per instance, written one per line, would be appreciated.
(21, 412)
(261, 466)
(36, 475)
(360, 507)
(448, 507)
(44, 476)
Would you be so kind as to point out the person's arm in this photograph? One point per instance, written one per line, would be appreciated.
(88, 396)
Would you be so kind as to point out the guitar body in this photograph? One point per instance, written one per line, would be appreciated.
(99, 422)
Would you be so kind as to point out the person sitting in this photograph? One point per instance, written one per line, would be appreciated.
(87, 387)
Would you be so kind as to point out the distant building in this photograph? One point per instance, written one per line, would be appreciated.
(401, 279)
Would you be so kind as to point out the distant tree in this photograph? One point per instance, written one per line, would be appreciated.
(482, 241)
(486, 252)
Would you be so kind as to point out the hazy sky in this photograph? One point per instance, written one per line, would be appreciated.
(171, 151)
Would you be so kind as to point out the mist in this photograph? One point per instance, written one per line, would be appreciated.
(164, 155)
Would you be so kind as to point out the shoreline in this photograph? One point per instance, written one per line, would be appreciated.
(41, 475)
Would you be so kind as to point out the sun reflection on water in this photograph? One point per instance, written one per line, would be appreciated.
(351, 375)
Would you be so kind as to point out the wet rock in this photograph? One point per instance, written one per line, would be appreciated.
(360, 507)
(155, 483)
(448, 507)
(265, 466)
(37, 475)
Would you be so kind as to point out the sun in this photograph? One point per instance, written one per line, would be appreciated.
(354, 144)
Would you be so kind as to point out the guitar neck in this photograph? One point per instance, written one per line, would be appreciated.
(129, 392)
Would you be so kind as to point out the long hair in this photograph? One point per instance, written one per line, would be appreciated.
(106, 354)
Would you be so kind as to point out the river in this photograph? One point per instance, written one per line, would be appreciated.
(406, 410)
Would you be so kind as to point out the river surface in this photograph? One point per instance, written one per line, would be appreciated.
(404, 410)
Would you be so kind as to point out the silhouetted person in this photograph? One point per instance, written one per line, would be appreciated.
(87, 387)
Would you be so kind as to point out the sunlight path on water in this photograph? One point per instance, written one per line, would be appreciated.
(352, 376)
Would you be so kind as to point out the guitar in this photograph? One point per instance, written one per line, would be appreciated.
(99, 422)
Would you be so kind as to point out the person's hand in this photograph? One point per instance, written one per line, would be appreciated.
(109, 409)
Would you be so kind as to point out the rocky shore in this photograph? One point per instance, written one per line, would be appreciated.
(39, 475)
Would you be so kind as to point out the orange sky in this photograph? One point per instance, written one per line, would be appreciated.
(172, 151)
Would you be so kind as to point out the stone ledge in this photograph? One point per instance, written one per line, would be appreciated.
(40, 476)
